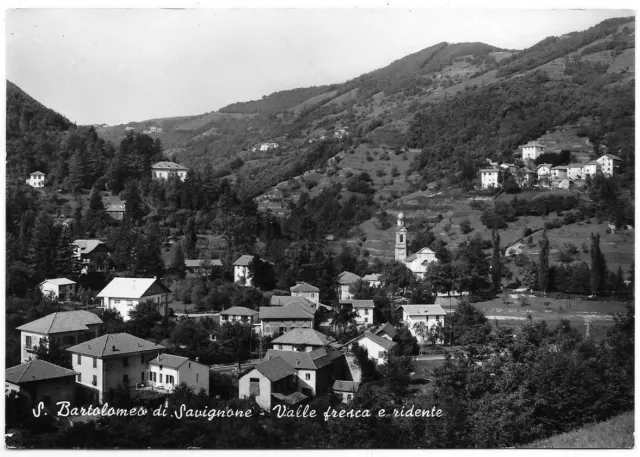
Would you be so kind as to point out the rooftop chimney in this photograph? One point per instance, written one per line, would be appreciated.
(297, 362)
(197, 359)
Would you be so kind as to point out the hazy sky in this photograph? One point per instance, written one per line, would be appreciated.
(121, 65)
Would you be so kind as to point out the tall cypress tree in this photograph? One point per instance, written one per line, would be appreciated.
(96, 215)
(496, 261)
(134, 206)
(598, 265)
(543, 264)
(177, 263)
(191, 239)
(65, 263)
(41, 247)
(77, 171)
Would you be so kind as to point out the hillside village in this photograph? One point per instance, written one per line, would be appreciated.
(414, 236)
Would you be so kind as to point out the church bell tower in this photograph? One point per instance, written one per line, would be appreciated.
(401, 239)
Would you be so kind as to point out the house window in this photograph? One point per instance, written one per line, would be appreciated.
(95, 362)
(254, 387)
(79, 359)
(160, 377)
(28, 343)
(197, 377)
(142, 359)
(129, 303)
(366, 312)
(366, 319)
(401, 237)
(307, 376)
(437, 318)
(125, 379)
(189, 365)
(95, 380)
(142, 376)
(125, 362)
(160, 367)
(380, 354)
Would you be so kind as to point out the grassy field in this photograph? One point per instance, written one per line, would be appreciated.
(616, 433)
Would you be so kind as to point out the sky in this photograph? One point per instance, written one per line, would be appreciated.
(121, 65)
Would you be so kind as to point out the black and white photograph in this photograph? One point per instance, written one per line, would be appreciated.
(375, 226)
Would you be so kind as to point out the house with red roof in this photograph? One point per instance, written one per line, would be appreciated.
(111, 361)
(40, 381)
(61, 330)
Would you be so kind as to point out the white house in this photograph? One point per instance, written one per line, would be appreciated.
(40, 381)
(419, 262)
(111, 361)
(93, 255)
(592, 168)
(302, 289)
(167, 371)
(238, 314)
(544, 169)
(489, 177)
(123, 294)
(575, 171)
(429, 314)
(60, 329)
(269, 379)
(373, 280)
(346, 279)
(36, 179)
(364, 309)
(532, 150)
(377, 346)
(610, 163)
(60, 288)
(162, 170)
(241, 269)
(345, 390)
(268, 146)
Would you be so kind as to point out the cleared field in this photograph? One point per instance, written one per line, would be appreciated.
(616, 433)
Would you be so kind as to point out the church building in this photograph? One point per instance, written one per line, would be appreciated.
(417, 262)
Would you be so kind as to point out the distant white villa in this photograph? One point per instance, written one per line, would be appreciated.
(36, 179)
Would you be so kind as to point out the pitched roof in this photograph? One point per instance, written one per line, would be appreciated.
(64, 321)
(371, 277)
(115, 209)
(238, 311)
(425, 251)
(196, 263)
(168, 166)
(359, 303)
(611, 156)
(385, 328)
(38, 173)
(424, 310)
(534, 144)
(346, 277)
(548, 165)
(295, 310)
(275, 369)
(346, 386)
(305, 336)
(489, 170)
(285, 300)
(129, 287)
(114, 344)
(304, 287)
(560, 167)
(306, 360)
(35, 370)
(243, 261)
(58, 281)
(380, 341)
(169, 360)
(86, 246)
(575, 165)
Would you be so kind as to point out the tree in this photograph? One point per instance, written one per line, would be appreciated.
(421, 330)
(396, 275)
(143, 319)
(96, 214)
(496, 261)
(238, 340)
(77, 171)
(261, 274)
(134, 206)
(191, 239)
(543, 265)
(598, 266)
(407, 343)
(343, 318)
(465, 226)
(66, 264)
(40, 255)
(52, 353)
(178, 266)
(368, 367)
(190, 333)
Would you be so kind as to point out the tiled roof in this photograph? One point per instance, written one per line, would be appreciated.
(346, 277)
(37, 173)
(238, 311)
(575, 165)
(305, 336)
(285, 300)
(58, 281)
(385, 328)
(86, 246)
(243, 261)
(548, 165)
(35, 370)
(346, 386)
(611, 156)
(424, 310)
(64, 321)
(306, 360)
(130, 287)
(304, 287)
(371, 277)
(534, 144)
(168, 166)
(195, 263)
(169, 360)
(115, 209)
(295, 310)
(560, 167)
(380, 341)
(594, 162)
(275, 369)
(489, 170)
(359, 303)
(114, 344)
